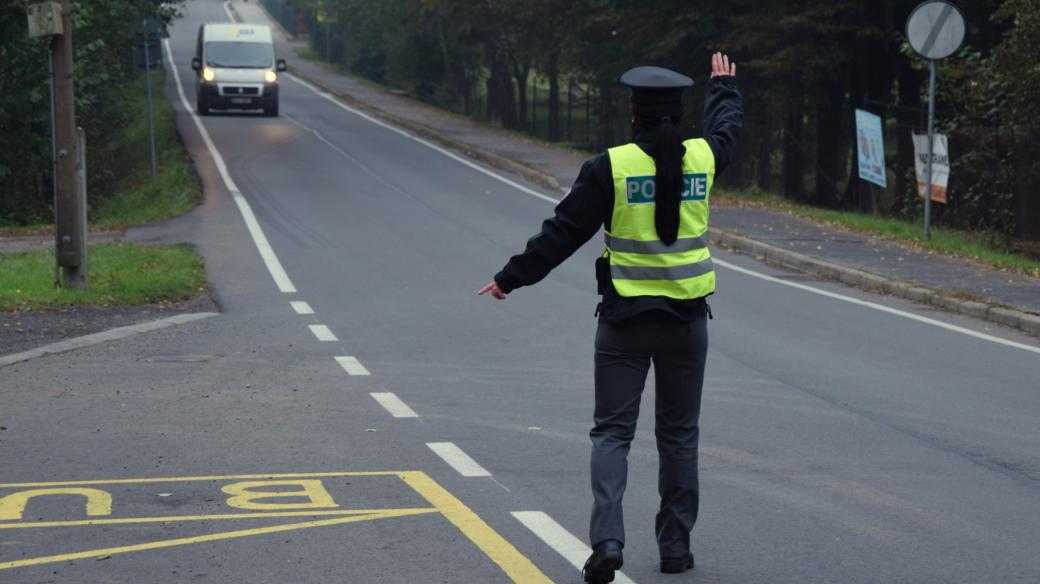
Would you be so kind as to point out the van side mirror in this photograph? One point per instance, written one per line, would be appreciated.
(280, 65)
(196, 63)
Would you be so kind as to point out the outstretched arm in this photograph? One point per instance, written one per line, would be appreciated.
(577, 218)
(723, 111)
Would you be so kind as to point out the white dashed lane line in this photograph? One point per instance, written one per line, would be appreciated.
(564, 542)
(394, 405)
(301, 307)
(322, 332)
(458, 460)
(352, 366)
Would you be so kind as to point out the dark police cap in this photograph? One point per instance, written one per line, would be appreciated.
(655, 84)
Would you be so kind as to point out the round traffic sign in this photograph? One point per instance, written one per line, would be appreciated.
(935, 29)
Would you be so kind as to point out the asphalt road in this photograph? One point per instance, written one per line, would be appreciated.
(840, 443)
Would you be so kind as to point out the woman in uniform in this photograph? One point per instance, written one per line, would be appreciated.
(651, 196)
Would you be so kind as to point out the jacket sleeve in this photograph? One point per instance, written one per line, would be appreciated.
(723, 117)
(577, 218)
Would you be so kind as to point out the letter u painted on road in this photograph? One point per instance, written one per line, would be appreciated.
(13, 506)
(245, 495)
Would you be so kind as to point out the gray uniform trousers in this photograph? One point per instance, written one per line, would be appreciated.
(624, 352)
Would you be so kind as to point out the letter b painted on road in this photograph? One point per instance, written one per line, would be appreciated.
(308, 494)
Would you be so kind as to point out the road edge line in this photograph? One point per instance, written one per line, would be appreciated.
(104, 337)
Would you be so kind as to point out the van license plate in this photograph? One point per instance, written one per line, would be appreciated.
(241, 100)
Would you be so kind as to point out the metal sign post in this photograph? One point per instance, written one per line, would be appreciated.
(151, 121)
(152, 30)
(935, 30)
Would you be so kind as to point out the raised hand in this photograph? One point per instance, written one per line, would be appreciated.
(720, 66)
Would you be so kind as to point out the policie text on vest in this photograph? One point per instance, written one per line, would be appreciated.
(640, 189)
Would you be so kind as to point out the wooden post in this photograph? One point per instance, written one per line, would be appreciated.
(70, 226)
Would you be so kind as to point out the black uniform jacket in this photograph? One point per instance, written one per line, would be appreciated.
(590, 204)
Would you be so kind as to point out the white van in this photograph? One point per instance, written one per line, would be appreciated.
(235, 68)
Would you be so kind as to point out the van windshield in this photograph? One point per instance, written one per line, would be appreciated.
(237, 54)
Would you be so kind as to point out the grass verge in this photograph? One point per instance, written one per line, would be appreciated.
(136, 200)
(119, 275)
(946, 241)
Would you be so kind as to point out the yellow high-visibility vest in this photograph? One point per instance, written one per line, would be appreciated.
(640, 263)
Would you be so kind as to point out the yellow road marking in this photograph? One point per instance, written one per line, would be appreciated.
(244, 497)
(205, 538)
(513, 563)
(382, 473)
(215, 517)
(13, 506)
(517, 566)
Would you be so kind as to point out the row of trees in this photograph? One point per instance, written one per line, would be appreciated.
(103, 41)
(804, 66)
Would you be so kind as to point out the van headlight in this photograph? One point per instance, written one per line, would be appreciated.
(270, 77)
(209, 74)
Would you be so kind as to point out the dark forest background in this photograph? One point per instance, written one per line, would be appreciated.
(550, 68)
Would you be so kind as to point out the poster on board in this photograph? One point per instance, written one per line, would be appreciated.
(870, 148)
(940, 166)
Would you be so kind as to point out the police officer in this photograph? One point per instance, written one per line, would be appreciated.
(651, 196)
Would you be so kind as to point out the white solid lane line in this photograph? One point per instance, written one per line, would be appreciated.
(322, 332)
(458, 460)
(352, 366)
(566, 544)
(394, 405)
(281, 278)
(881, 307)
(301, 307)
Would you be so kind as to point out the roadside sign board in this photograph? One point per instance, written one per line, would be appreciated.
(935, 29)
(870, 148)
(44, 19)
(154, 54)
(940, 166)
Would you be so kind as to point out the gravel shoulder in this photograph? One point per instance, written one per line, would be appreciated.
(21, 331)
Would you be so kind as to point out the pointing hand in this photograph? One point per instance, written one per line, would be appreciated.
(720, 66)
(494, 290)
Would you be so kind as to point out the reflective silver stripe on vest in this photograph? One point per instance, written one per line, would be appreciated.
(670, 273)
(655, 247)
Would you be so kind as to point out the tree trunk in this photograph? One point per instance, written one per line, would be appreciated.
(570, 109)
(764, 154)
(857, 93)
(829, 156)
(907, 115)
(521, 71)
(605, 138)
(501, 94)
(554, 97)
(794, 159)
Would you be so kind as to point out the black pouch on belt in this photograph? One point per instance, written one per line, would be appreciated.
(602, 275)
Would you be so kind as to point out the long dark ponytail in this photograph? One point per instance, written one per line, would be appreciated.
(667, 151)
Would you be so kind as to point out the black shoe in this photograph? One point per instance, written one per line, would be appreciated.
(677, 565)
(604, 561)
